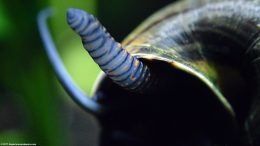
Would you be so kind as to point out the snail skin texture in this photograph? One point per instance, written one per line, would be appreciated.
(188, 75)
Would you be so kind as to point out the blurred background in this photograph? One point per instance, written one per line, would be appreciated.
(33, 106)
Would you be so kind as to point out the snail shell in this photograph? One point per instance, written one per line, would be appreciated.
(213, 41)
(210, 45)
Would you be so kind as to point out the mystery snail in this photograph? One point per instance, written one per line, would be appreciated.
(188, 75)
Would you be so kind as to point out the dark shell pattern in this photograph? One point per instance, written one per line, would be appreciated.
(204, 38)
(185, 39)
(216, 41)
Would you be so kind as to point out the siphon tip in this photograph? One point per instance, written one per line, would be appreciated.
(70, 12)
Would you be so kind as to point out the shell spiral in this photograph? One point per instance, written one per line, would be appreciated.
(124, 69)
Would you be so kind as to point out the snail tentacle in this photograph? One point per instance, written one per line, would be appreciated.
(124, 69)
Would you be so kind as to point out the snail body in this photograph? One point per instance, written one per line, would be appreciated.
(210, 50)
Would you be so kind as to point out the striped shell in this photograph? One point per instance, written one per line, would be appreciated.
(217, 42)
(214, 42)
(184, 40)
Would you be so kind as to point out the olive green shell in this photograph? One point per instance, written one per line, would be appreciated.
(141, 43)
(150, 41)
